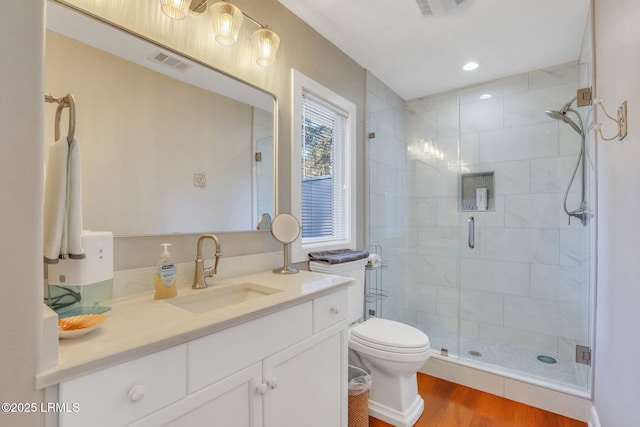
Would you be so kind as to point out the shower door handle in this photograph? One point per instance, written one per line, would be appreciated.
(472, 232)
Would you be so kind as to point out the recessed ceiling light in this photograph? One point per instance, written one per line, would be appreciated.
(470, 66)
(486, 96)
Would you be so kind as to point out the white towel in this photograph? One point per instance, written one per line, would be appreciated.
(63, 203)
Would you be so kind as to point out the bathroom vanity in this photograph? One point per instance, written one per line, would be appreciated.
(278, 359)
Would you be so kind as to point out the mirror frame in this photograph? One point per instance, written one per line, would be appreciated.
(225, 75)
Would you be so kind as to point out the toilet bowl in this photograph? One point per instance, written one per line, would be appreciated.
(391, 351)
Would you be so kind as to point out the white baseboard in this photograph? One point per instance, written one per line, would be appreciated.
(594, 421)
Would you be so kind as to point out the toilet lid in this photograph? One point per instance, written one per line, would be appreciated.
(390, 334)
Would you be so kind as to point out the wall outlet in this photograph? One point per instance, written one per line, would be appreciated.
(200, 179)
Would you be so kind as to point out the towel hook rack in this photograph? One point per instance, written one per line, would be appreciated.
(64, 102)
(620, 120)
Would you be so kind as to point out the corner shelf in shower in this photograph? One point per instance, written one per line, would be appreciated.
(374, 293)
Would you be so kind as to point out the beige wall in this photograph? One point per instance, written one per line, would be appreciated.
(617, 373)
(301, 48)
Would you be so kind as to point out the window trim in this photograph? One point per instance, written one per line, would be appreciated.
(299, 85)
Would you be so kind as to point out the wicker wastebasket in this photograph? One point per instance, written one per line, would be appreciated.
(359, 385)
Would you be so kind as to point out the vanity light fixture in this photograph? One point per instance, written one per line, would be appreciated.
(486, 96)
(226, 20)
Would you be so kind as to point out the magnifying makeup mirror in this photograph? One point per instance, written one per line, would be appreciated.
(285, 228)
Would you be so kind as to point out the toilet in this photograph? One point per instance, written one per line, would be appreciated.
(391, 351)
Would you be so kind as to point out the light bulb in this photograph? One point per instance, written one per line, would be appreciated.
(225, 23)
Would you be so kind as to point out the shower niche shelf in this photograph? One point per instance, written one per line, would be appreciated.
(471, 184)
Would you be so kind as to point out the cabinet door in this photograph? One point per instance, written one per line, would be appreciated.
(307, 384)
(232, 402)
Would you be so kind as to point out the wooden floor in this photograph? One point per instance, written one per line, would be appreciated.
(451, 405)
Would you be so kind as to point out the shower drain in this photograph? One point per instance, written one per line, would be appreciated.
(546, 359)
(474, 353)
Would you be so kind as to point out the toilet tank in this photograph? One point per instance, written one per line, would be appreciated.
(353, 269)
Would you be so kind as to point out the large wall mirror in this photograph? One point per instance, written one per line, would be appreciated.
(168, 144)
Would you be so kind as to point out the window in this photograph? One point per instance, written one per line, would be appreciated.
(323, 167)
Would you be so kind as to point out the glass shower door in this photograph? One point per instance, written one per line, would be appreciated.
(524, 283)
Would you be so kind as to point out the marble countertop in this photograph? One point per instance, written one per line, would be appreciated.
(141, 325)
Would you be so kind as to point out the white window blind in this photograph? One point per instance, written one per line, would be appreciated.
(325, 171)
(323, 167)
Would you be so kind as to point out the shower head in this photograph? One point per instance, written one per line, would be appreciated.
(562, 116)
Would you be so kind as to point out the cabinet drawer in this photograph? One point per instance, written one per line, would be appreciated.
(329, 310)
(123, 393)
(216, 356)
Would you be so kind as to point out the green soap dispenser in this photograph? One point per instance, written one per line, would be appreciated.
(164, 275)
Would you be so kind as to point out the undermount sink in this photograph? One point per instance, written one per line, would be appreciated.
(216, 298)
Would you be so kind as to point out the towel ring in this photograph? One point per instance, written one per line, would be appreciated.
(64, 102)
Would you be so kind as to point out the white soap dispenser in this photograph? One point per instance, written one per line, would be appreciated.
(481, 199)
(164, 275)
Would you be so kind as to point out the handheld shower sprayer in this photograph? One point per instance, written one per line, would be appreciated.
(582, 212)
(562, 116)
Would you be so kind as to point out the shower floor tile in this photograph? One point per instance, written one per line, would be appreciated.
(517, 360)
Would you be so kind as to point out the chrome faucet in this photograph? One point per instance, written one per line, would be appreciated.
(201, 274)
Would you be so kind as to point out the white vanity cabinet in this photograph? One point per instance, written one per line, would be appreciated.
(287, 368)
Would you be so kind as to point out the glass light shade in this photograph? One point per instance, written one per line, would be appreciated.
(227, 20)
(266, 42)
(175, 9)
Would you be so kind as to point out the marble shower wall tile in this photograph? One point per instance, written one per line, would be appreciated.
(481, 116)
(519, 245)
(526, 281)
(552, 175)
(502, 277)
(519, 143)
(498, 88)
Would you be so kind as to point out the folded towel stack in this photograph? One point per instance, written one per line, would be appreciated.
(338, 256)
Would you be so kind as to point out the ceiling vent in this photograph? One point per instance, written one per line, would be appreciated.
(170, 61)
(438, 7)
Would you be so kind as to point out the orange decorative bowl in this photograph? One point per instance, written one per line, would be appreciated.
(75, 326)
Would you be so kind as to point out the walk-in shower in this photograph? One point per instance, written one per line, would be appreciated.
(582, 212)
(520, 297)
